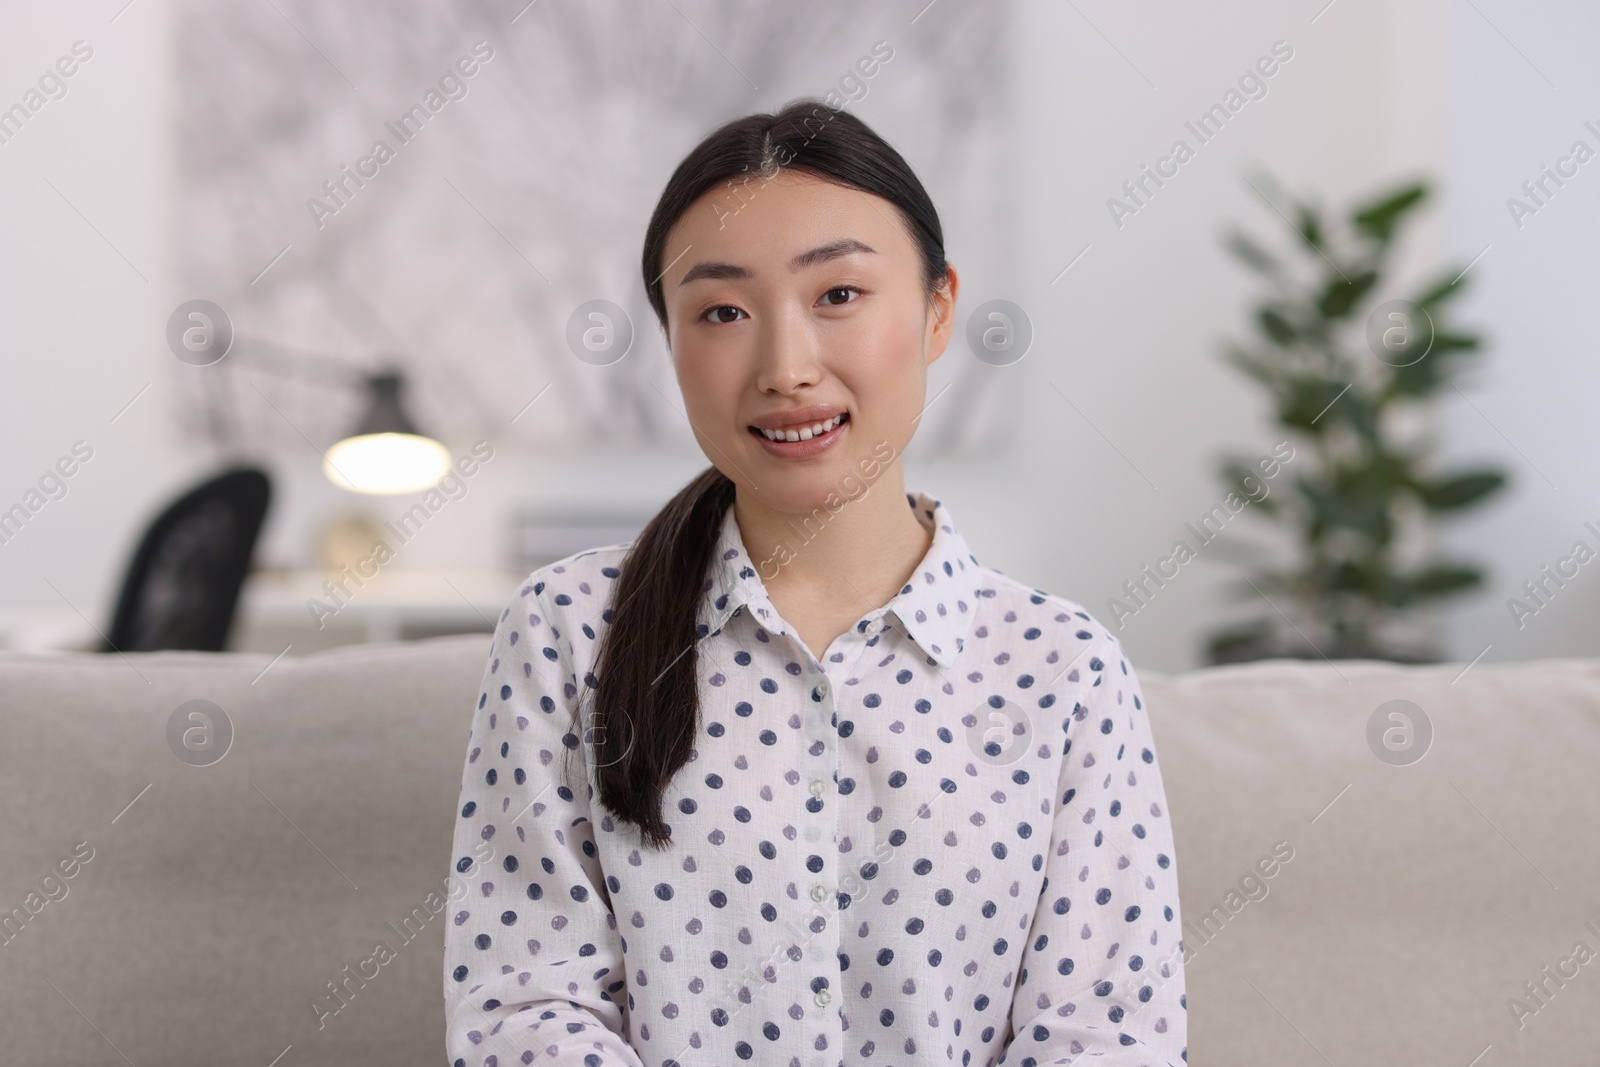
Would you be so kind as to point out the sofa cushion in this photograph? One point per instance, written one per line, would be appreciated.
(221, 900)
(1420, 895)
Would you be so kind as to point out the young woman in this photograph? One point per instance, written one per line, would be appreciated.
(847, 796)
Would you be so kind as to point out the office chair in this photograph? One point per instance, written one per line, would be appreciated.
(183, 584)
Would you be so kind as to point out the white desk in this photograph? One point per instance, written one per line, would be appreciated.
(296, 608)
(273, 612)
(47, 631)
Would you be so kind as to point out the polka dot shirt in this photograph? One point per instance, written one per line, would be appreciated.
(944, 842)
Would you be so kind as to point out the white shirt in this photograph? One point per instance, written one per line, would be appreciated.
(945, 843)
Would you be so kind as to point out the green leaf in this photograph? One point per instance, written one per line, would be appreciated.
(1239, 590)
(1441, 579)
(1343, 294)
(1254, 255)
(1379, 219)
(1358, 500)
(1361, 413)
(1235, 471)
(1447, 287)
(1236, 642)
(1416, 380)
(1309, 226)
(1253, 365)
(1306, 404)
(1458, 491)
(1430, 373)
(1452, 342)
(1353, 576)
(1276, 326)
(1265, 582)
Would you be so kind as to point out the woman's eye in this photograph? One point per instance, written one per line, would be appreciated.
(712, 313)
(841, 289)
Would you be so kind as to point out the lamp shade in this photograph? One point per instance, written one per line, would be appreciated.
(386, 454)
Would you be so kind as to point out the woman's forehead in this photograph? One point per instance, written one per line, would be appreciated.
(777, 229)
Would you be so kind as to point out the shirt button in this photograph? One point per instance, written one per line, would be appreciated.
(872, 626)
(816, 787)
(823, 997)
(819, 892)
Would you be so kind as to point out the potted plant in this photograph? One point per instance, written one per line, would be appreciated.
(1348, 370)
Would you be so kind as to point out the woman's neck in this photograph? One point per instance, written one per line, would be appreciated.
(856, 557)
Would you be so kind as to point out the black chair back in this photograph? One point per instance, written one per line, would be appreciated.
(183, 584)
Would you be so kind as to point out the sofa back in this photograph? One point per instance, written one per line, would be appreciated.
(1422, 893)
(1342, 901)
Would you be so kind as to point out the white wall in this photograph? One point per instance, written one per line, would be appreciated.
(1533, 406)
(1130, 334)
(81, 326)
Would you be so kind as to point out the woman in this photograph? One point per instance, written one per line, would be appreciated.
(848, 796)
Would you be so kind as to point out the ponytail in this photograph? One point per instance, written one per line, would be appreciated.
(646, 679)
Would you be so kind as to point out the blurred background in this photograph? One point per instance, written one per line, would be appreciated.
(323, 324)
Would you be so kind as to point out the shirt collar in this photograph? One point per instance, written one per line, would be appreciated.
(935, 606)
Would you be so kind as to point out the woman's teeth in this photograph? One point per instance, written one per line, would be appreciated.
(805, 433)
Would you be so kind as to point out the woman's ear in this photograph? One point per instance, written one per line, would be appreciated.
(942, 308)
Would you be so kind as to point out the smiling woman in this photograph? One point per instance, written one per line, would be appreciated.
(880, 725)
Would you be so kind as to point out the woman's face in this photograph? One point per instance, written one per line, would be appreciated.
(791, 293)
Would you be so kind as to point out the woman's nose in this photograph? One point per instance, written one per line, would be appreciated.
(788, 355)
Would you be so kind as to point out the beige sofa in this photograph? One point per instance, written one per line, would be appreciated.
(211, 905)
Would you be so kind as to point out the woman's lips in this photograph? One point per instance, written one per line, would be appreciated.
(803, 449)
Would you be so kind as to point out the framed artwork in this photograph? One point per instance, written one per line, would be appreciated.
(439, 185)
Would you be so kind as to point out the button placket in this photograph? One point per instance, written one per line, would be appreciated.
(821, 826)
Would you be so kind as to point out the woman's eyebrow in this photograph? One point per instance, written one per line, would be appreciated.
(821, 254)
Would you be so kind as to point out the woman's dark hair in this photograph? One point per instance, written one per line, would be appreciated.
(646, 695)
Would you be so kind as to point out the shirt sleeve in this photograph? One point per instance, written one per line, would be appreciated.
(1102, 972)
(533, 965)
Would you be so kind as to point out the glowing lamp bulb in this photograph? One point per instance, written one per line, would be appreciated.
(386, 463)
